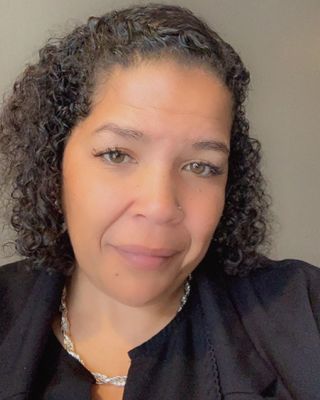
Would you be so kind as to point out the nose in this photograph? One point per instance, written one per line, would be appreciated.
(157, 197)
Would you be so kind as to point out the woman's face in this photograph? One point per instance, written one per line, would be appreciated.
(144, 179)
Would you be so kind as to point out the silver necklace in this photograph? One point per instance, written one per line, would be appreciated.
(101, 379)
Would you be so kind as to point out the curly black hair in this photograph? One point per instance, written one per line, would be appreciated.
(54, 94)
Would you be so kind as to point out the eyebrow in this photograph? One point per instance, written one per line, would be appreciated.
(124, 132)
(134, 134)
(211, 145)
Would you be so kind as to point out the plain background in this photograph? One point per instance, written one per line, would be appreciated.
(278, 41)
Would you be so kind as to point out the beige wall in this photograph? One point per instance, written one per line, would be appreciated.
(279, 42)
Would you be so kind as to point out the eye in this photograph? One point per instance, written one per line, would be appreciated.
(203, 169)
(114, 156)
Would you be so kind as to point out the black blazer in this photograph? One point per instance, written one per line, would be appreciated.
(237, 338)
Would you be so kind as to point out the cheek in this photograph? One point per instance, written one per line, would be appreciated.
(205, 212)
(90, 203)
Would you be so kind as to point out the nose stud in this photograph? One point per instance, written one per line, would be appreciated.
(179, 208)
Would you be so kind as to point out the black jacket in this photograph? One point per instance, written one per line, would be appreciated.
(237, 339)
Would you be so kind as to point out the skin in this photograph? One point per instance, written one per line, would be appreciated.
(114, 200)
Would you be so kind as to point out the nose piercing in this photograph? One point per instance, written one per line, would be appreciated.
(179, 208)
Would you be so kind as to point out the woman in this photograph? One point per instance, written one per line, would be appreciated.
(141, 212)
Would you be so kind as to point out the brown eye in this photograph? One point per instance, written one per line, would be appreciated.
(204, 170)
(197, 168)
(116, 156)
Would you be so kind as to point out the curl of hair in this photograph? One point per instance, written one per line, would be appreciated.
(54, 94)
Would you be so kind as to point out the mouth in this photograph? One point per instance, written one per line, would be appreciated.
(141, 257)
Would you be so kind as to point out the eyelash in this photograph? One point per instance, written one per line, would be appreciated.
(213, 169)
(109, 151)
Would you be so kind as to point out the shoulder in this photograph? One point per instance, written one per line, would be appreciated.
(281, 276)
(279, 289)
(17, 277)
(19, 283)
(285, 268)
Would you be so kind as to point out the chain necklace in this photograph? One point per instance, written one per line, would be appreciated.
(69, 346)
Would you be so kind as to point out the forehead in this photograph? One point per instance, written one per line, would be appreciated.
(163, 97)
(160, 83)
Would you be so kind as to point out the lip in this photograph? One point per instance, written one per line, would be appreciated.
(142, 257)
(142, 250)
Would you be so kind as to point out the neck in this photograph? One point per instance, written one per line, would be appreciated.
(91, 310)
